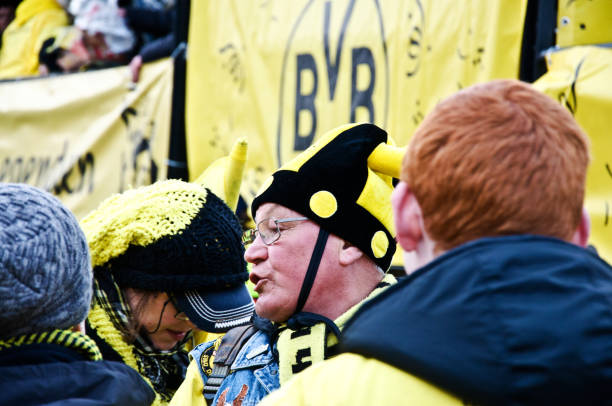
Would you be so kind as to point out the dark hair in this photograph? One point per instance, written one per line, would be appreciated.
(134, 326)
(9, 3)
(49, 55)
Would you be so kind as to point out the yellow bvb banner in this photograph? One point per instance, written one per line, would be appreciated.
(281, 73)
(579, 78)
(86, 136)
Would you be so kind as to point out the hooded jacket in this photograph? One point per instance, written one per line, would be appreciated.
(498, 321)
(508, 320)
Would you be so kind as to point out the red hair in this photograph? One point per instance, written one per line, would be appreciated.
(495, 159)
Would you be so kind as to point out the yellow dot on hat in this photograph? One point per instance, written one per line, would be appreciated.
(323, 204)
(380, 244)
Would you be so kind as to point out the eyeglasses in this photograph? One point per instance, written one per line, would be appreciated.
(268, 229)
(180, 315)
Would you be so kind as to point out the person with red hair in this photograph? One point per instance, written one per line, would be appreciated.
(503, 304)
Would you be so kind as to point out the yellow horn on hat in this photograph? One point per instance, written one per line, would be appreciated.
(224, 175)
(387, 159)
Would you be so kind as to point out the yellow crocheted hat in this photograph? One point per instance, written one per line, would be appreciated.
(171, 236)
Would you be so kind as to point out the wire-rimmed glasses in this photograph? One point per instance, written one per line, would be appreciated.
(180, 315)
(268, 229)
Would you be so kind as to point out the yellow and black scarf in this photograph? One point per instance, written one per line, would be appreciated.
(301, 347)
(65, 338)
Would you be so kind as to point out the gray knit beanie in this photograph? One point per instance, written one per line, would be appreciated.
(45, 269)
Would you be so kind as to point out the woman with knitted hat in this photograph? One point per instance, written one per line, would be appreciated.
(167, 258)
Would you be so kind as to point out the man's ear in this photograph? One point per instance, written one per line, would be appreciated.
(349, 253)
(407, 217)
(581, 235)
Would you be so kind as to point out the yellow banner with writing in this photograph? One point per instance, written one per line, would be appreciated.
(87, 135)
(281, 73)
(579, 78)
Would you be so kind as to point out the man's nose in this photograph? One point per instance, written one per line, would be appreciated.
(257, 251)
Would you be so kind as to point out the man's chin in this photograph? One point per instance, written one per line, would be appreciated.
(260, 309)
(265, 312)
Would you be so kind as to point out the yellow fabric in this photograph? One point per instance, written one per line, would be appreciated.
(583, 22)
(200, 336)
(290, 348)
(30, 8)
(387, 159)
(314, 339)
(376, 199)
(579, 78)
(324, 204)
(35, 21)
(296, 163)
(351, 379)
(106, 137)
(418, 52)
(190, 391)
(380, 244)
(224, 176)
(173, 205)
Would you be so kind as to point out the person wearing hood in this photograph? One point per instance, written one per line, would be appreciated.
(504, 304)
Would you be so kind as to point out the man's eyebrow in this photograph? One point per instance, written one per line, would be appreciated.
(272, 214)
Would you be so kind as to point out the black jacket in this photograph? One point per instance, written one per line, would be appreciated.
(49, 374)
(508, 320)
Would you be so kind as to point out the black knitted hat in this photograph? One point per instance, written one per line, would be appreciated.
(173, 237)
(208, 253)
(331, 184)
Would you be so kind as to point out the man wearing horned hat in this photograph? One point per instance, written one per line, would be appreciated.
(323, 242)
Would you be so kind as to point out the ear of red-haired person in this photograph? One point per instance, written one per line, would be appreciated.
(581, 235)
(407, 216)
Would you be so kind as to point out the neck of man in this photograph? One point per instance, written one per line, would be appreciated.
(351, 285)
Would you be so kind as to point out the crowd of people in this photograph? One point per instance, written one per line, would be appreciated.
(503, 301)
(43, 37)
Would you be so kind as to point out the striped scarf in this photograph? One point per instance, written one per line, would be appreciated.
(307, 345)
(65, 338)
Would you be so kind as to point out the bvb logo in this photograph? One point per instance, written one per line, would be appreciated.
(335, 70)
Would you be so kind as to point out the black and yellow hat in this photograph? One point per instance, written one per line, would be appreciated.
(175, 237)
(332, 184)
